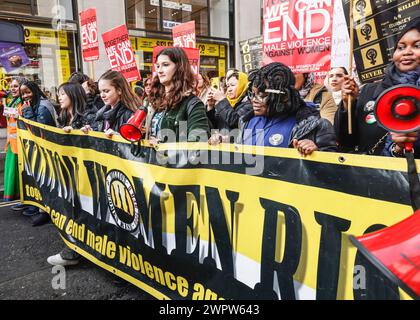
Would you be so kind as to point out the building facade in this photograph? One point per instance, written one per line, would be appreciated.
(52, 37)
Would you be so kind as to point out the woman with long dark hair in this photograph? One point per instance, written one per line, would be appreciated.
(75, 112)
(36, 107)
(173, 100)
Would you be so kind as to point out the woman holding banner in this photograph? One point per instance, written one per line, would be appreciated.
(11, 170)
(38, 108)
(280, 118)
(174, 102)
(367, 136)
(120, 104)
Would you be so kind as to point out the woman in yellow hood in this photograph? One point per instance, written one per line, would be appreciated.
(226, 112)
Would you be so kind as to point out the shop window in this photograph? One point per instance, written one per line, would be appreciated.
(16, 6)
(143, 14)
(61, 9)
(51, 59)
(219, 18)
(177, 12)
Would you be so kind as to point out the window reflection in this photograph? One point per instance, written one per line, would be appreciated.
(143, 14)
(16, 6)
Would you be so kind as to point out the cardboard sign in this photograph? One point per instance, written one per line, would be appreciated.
(89, 34)
(298, 34)
(192, 54)
(376, 30)
(184, 35)
(120, 53)
(12, 56)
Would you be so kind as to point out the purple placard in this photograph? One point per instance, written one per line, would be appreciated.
(12, 56)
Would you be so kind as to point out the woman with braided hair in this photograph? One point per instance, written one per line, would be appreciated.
(280, 118)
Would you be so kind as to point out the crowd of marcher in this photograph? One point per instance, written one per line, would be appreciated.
(269, 107)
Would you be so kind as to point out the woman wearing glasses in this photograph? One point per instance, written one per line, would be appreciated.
(280, 118)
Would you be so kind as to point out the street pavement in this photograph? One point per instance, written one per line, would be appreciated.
(26, 275)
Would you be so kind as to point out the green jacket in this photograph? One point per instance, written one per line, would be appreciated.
(188, 120)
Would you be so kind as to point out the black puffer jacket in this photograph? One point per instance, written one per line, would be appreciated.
(116, 117)
(224, 117)
(309, 125)
(88, 118)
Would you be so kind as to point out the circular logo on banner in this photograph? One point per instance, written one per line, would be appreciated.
(276, 139)
(369, 106)
(122, 201)
(370, 119)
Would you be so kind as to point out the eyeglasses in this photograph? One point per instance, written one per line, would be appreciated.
(262, 96)
(258, 97)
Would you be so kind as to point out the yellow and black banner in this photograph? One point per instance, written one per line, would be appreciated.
(189, 221)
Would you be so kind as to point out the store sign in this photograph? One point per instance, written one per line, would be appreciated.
(206, 49)
(192, 54)
(298, 33)
(45, 37)
(89, 34)
(12, 56)
(167, 24)
(251, 52)
(63, 64)
(184, 35)
(172, 5)
(120, 53)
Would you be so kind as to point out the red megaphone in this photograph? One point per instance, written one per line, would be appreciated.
(131, 131)
(395, 251)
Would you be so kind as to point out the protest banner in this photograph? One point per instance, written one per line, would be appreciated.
(192, 221)
(184, 35)
(89, 34)
(376, 28)
(12, 56)
(298, 34)
(251, 52)
(192, 54)
(120, 53)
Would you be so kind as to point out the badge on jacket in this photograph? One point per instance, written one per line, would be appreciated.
(370, 119)
(370, 106)
(276, 139)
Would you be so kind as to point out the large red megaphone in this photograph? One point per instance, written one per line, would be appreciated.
(131, 131)
(398, 110)
(395, 251)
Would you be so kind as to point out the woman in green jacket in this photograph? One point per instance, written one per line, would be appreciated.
(179, 115)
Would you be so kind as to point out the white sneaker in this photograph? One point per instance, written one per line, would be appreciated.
(57, 260)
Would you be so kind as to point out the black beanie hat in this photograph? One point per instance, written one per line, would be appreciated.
(413, 24)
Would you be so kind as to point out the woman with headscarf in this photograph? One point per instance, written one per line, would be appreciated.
(11, 171)
(316, 95)
(367, 136)
(280, 118)
(227, 110)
